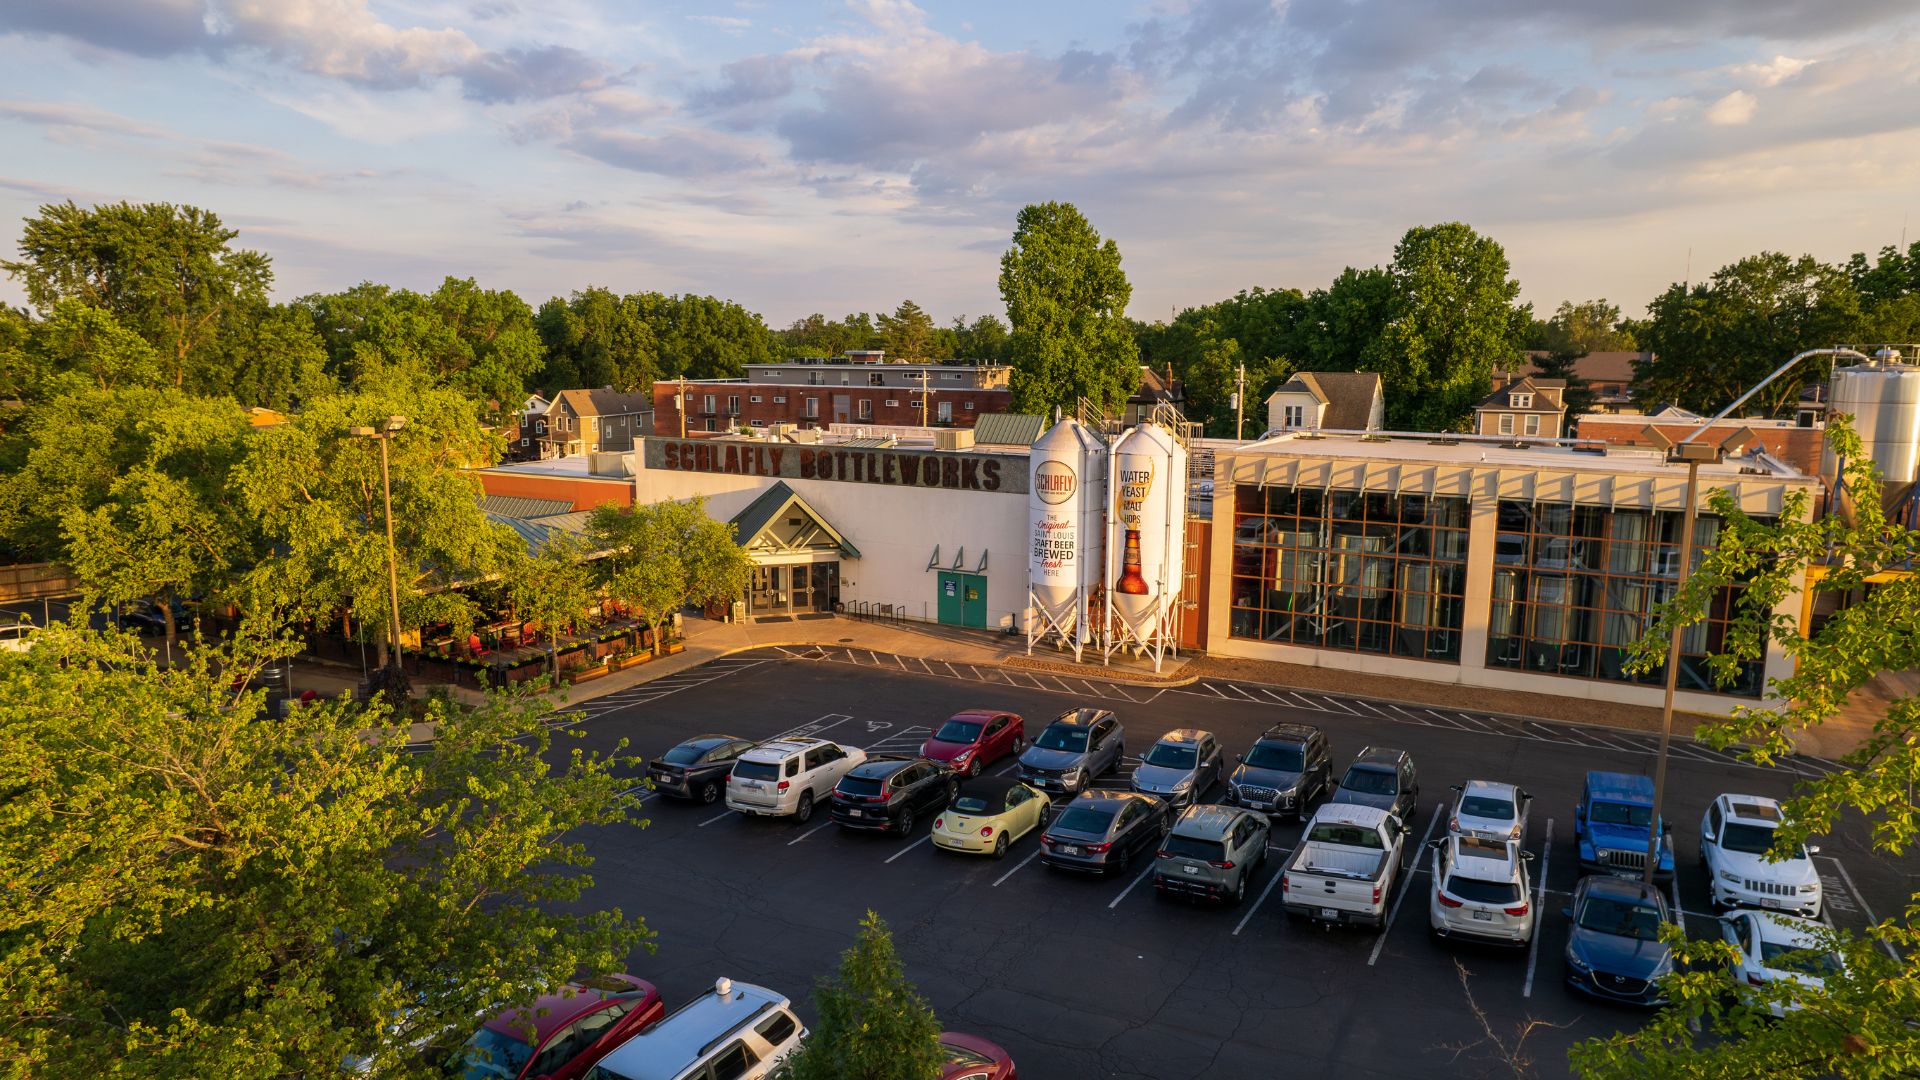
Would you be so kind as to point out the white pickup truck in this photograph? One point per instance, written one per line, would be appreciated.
(1345, 867)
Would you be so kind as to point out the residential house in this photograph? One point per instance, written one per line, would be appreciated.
(1526, 408)
(587, 422)
(1329, 401)
(1155, 390)
(1608, 374)
(528, 434)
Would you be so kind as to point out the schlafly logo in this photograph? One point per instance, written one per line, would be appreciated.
(1053, 481)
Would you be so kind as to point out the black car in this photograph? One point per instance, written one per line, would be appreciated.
(1105, 830)
(697, 769)
(888, 793)
(1383, 779)
(1286, 772)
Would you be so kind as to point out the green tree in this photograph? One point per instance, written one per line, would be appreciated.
(873, 1024)
(257, 896)
(1859, 1023)
(315, 491)
(1586, 327)
(1341, 323)
(1066, 299)
(78, 346)
(664, 556)
(596, 338)
(1454, 317)
(704, 337)
(552, 586)
(271, 357)
(985, 338)
(166, 272)
(1563, 364)
(1716, 338)
(908, 333)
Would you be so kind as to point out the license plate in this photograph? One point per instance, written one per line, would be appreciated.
(1483, 916)
(1770, 904)
(1329, 913)
(856, 813)
(1069, 849)
(1193, 869)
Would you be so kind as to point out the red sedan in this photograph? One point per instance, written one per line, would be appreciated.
(970, 1057)
(976, 738)
(570, 1031)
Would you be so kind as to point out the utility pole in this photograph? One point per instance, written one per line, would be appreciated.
(383, 437)
(1240, 402)
(923, 396)
(680, 395)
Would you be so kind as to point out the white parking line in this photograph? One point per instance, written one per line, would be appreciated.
(1271, 882)
(1010, 873)
(1860, 899)
(1439, 811)
(909, 847)
(808, 833)
(1539, 916)
(1129, 888)
(721, 816)
(1008, 769)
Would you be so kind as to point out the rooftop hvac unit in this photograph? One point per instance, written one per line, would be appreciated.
(780, 431)
(953, 439)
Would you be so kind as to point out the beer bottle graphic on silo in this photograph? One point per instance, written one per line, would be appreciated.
(1131, 581)
(1133, 482)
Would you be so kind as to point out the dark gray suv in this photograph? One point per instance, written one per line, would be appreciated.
(1383, 779)
(1212, 852)
(1288, 769)
(1078, 746)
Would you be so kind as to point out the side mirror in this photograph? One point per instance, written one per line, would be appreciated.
(1813, 849)
(1526, 856)
(1433, 845)
(1241, 758)
(1459, 787)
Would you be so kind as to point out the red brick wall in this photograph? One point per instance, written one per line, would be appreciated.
(1798, 447)
(666, 405)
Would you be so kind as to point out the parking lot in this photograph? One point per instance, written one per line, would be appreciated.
(1086, 977)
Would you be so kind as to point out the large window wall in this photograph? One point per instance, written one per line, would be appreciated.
(1574, 585)
(1360, 571)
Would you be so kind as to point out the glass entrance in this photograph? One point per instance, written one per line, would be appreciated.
(788, 590)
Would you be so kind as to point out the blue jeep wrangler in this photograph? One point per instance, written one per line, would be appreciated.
(1612, 824)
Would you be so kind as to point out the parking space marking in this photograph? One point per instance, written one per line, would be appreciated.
(721, 816)
(1860, 899)
(810, 832)
(1539, 914)
(1406, 883)
(1129, 888)
(1016, 869)
(1008, 769)
(1271, 882)
(909, 847)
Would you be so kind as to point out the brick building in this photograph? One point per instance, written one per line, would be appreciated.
(817, 393)
(1795, 442)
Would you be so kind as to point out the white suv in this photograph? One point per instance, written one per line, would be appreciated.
(735, 1030)
(1481, 890)
(786, 777)
(1735, 836)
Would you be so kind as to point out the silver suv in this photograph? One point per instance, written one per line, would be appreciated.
(1077, 747)
(1181, 768)
(786, 777)
(1212, 852)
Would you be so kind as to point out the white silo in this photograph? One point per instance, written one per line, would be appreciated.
(1883, 399)
(1146, 541)
(1066, 515)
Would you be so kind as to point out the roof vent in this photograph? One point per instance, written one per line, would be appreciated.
(723, 986)
(1886, 356)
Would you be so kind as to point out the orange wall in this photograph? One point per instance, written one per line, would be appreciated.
(584, 493)
(1198, 570)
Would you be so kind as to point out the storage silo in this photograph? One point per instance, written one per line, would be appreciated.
(1883, 399)
(1146, 541)
(1066, 514)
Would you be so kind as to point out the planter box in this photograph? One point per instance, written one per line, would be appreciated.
(675, 647)
(632, 661)
(580, 675)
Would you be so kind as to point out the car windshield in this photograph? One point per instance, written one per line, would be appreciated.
(492, 1054)
(971, 804)
(684, 754)
(958, 731)
(859, 785)
(1746, 839)
(756, 770)
(1615, 813)
(1489, 807)
(1335, 832)
(1173, 756)
(1085, 819)
(1209, 850)
(1799, 960)
(1277, 758)
(1483, 892)
(1071, 739)
(1620, 918)
(1366, 781)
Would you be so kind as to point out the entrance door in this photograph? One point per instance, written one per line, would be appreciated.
(767, 594)
(962, 599)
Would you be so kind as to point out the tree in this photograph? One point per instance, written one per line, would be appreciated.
(1343, 321)
(1562, 364)
(1586, 327)
(1454, 316)
(270, 356)
(1066, 299)
(262, 896)
(1857, 1025)
(553, 586)
(78, 346)
(1714, 339)
(908, 333)
(873, 1024)
(665, 556)
(166, 272)
(985, 338)
(597, 338)
(704, 337)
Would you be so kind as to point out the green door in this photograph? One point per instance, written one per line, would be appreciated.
(949, 598)
(973, 600)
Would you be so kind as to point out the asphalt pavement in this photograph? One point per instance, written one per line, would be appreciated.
(1101, 977)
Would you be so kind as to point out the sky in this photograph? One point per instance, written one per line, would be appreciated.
(844, 156)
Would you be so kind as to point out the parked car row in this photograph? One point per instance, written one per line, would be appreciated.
(1352, 854)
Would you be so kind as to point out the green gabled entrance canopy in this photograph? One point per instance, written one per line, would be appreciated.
(780, 520)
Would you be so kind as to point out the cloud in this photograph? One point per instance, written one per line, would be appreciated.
(1736, 108)
(750, 81)
(732, 24)
(153, 28)
(686, 153)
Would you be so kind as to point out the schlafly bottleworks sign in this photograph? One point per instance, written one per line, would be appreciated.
(879, 466)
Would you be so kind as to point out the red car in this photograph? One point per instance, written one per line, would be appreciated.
(976, 738)
(970, 1057)
(571, 1031)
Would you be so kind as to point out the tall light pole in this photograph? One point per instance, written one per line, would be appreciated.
(383, 436)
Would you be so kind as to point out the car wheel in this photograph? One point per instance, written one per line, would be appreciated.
(973, 767)
(805, 810)
(905, 825)
(1239, 892)
(1166, 825)
(1000, 847)
(710, 792)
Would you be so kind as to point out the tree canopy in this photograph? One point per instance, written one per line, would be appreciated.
(873, 1024)
(664, 556)
(1066, 299)
(1454, 316)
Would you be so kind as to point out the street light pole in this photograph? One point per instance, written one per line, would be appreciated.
(384, 436)
(1693, 454)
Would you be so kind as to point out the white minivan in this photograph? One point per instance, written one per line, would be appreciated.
(735, 1031)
